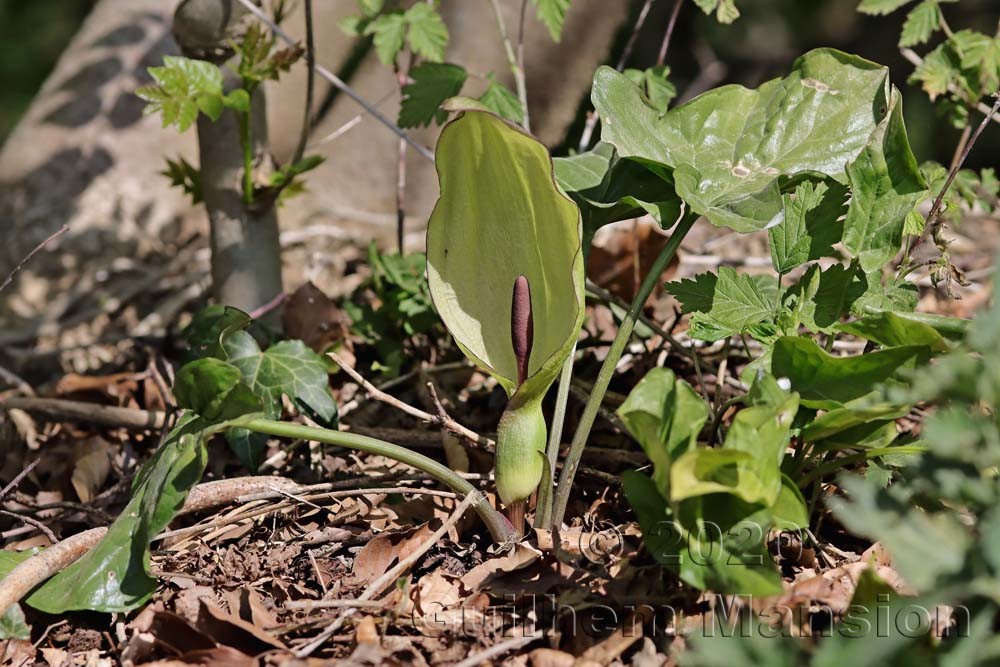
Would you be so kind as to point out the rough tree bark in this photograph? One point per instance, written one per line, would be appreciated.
(246, 257)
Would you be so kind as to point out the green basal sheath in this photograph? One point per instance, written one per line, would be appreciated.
(505, 270)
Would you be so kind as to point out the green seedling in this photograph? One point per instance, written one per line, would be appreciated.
(505, 269)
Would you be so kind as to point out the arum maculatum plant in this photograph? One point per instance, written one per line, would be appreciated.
(505, 269)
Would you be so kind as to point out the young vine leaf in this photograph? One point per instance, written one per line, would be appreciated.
(432, 84)
(553, 14)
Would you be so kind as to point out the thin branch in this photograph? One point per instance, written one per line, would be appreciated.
(377, 586)
(935, 213)
(34, 523)
(520, 62)
(34, 251)
(107, 415)
(444, 422)
(593, 117)
(662, 55)
(300, 150)
(12, 484)
(497, 650)
(512, 60)
(339, 84)
(607, 371)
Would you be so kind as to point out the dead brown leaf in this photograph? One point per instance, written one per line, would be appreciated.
(92, 464)
(314, 318)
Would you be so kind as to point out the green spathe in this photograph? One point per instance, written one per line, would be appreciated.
(500, 216)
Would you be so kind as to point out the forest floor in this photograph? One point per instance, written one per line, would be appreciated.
(334, 557)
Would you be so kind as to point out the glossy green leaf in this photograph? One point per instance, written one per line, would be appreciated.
(287, 368)
(114, 575)
(781, 129)
(828, 382)
(203, 335)
(664, 414)
(723, 304)
(608, 188)
(891, 330)
(789, 510)
(886, 184)
(852, 414)
(215, 390)
(809, 226)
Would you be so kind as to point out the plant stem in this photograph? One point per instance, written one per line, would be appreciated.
(300, 149)
(512, 59)
(246, 143)
(493, 520)
(826, 468)
(608, 367)
(662, 56)
(543, 513)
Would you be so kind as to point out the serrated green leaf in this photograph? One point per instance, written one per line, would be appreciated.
(553, 14)
(432, 84)
(810, 224)
(940, 69)
(353, 25)
(724, 304)
(886, 184)
(182, 174)
(922, 22)
(184, 86)
(427, 34)
(500, 100)
(881, 6)
(981, 53)
(390, 36)
(758, 137)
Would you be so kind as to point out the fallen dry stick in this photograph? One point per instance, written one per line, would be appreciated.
(39, 568)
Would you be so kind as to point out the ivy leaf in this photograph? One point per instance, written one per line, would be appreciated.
(214, 390)
(725, 304)
(286, 368)
(760, 137)
(500, 100)
(922, 22)
(810, 224)
(886, 184)
(390, 36)
(553, 14)
(184, 87)
(428, 35)
(13, 625)
(432, 84)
